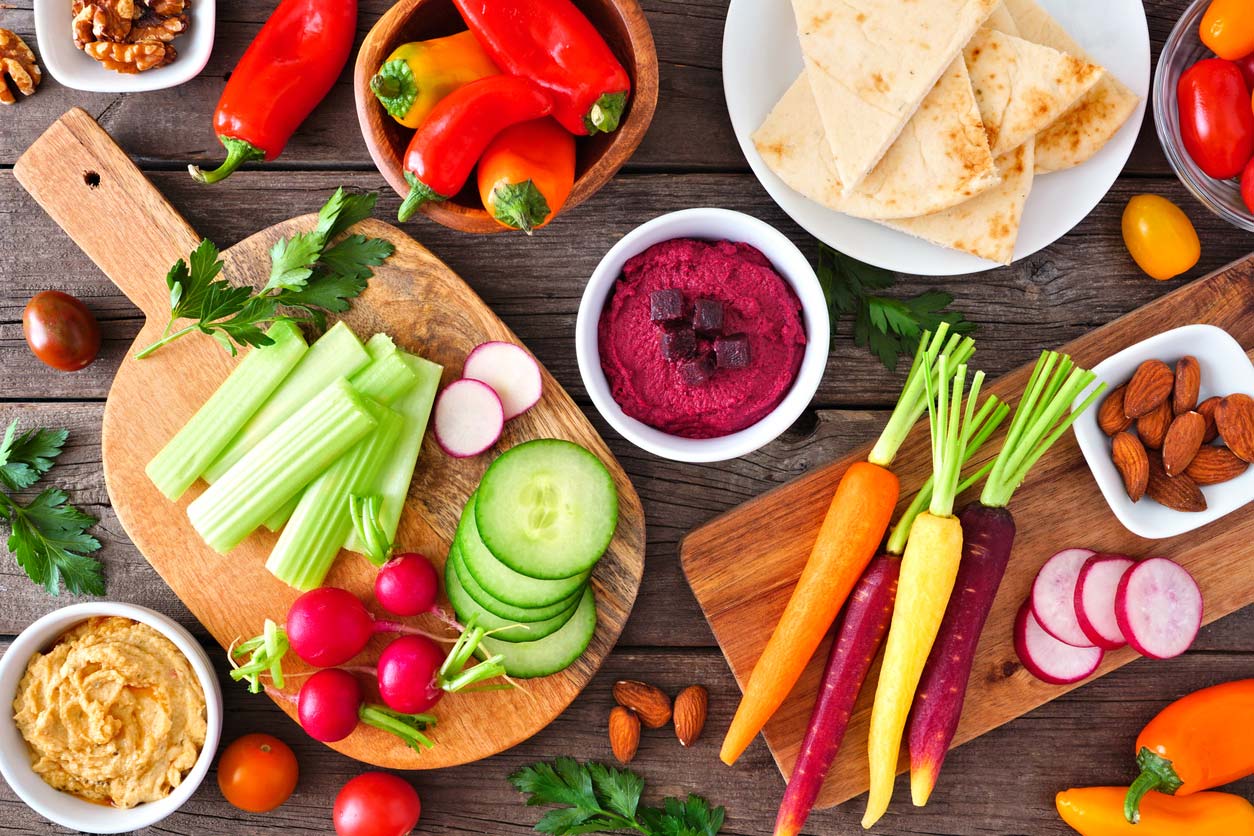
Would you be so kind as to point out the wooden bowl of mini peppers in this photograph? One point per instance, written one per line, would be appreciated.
(621, 23)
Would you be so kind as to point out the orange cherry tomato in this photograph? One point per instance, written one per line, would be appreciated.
(1228, 28)
(257, 773)
(527, 173)
(1160, 237)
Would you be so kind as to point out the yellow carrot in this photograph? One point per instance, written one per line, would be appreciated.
(851, 532)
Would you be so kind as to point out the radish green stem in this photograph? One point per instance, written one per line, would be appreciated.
(1039, 420)
(452, 677)
(408, 727)
(364, 511)
(265, 655)
(913, 401)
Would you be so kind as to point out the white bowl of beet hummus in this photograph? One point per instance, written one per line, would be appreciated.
(702, 335)
(114, 717)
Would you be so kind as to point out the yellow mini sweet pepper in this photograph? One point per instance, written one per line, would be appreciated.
(419, 74)
(1098, 811)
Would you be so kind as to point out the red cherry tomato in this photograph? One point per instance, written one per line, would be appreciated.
(257, 773)
(1246, 66)
(1216, 118)
(60, 330)
(376, 804)
(1247, 186)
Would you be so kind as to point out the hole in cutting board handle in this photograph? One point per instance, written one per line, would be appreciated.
(91, 178)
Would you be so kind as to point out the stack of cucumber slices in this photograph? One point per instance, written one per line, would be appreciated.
(528, 539)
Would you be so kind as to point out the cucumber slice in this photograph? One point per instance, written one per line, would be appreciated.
(509, 631)
(506, 611)
(553, 653)
(502, 583)
(547, 509)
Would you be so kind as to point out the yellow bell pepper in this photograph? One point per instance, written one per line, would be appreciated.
(1098, 811)
(419, 74)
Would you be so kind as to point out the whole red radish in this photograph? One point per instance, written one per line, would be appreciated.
(376, 804)
(328, 705)
(414, 672)
(328, 626)
(407, 585)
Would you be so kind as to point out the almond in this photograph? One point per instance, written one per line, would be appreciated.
(1184, 438)
(624, 733)
(1234, 418)
(1207, 410)
(1132, 462)
(1180, 493)
(1213, 465)
(1149, 388)
(653, 706)
(1153, 427)
(1110, 415)
(1188, 383)
(690, 710)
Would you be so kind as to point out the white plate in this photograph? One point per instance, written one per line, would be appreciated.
(762, 57)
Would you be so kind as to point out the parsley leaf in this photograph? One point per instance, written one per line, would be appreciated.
(47, 536)
(595, 798)
(309, 271)
(886, 326)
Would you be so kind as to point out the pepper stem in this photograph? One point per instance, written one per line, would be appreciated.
(419, 193)
(519, 205)
(605, 113)
(238, 152)
(1157, 773)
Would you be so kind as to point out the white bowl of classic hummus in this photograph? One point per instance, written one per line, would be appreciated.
(69, 810)
(688, 406)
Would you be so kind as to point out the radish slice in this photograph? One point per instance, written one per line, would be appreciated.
(1053, 596)
(468, 418)
(511, 371)
(1048, 659)
(1159, 608)
(1095, 599)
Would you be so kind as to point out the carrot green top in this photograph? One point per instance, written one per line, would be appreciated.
(952, 429)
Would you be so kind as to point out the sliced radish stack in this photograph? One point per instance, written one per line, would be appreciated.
(1049, 659)
(1095, 591)
(510, 371)
(468, 418)
(1053, 596)
(1158, 607)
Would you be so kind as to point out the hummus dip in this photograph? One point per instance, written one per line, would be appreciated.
(113, 713)
(665, 373)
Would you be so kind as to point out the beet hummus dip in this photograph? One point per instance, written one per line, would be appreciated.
(700, 339)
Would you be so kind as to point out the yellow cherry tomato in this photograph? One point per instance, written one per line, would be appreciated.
(1160, 237)
(1228, 28)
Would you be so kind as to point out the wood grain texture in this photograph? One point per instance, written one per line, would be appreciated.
(427, 309)
(1059, 506)
(598, 158)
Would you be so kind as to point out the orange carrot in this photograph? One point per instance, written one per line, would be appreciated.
(849, 537)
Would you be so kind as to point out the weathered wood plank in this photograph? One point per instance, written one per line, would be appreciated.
(1084, 280)
(690, 130)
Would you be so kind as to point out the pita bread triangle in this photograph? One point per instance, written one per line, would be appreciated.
(869, 73)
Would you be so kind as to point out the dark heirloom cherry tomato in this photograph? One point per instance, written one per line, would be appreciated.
(1216, 118)
(1246, 66)
(60, 330)
(376, 804)
(1247, 186)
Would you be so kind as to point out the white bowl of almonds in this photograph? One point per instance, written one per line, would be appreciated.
(124, 46)
(1170, 445)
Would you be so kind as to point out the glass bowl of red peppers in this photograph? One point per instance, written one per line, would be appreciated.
(1203, 109)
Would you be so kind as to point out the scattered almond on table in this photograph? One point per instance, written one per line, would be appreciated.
(1161, 436)
(640, 703)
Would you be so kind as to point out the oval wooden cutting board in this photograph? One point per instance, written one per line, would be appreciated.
(427, 309)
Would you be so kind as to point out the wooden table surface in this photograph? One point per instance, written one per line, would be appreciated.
(1003, 783)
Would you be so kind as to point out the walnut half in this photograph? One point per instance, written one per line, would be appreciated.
(130, 58)
(17, 68)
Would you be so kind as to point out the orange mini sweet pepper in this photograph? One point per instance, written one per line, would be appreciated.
(1098, 811)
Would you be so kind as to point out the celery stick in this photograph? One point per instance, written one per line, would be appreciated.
(283, 463)
(202, 439)
(337, 354)
(385, 379)
(392, 485)
(316, 531)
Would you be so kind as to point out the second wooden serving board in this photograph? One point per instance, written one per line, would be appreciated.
(743, 565)
(89, 186)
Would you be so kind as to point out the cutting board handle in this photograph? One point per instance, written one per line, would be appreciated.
(88, 185)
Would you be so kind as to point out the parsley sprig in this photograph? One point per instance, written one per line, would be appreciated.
(887, 326)
(594, 798)
(48, 536)
(311, 273)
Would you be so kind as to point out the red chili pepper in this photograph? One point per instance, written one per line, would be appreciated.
(552, 42)
(287, 70)
(455, 134)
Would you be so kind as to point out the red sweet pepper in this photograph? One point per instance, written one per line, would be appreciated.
(286, 71)
(551, 42)
(455, 134)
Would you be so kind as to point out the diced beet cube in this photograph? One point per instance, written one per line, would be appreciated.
(732, 352)
(679, 343)
(697, 370)
(666, 305)
(707, 316)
